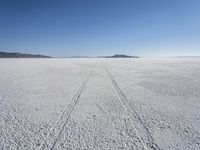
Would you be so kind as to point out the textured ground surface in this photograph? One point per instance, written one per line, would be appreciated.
(100, 104)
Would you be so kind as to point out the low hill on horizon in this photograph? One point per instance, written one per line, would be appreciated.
(21, 55)
(121, 56)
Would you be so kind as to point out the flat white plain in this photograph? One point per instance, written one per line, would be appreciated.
(100, 103)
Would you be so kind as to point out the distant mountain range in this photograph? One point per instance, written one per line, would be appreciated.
(121, 56)
(21, 55)
(114, 56)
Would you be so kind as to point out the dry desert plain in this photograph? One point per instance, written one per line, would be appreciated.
(98, 103)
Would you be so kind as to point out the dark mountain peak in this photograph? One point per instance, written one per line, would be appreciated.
(21, 55)
(121, 56)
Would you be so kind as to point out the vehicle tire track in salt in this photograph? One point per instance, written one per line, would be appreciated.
(58, 127)
(140, 127)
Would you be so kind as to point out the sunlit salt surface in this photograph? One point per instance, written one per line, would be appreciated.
(100, 103)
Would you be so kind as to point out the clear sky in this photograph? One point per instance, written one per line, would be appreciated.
(101, 27)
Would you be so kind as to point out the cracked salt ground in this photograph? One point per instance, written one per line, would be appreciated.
(100, 104)
(99, 120)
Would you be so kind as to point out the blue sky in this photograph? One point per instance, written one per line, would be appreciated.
(148, 28)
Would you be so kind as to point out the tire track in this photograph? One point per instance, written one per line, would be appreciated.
(134, 135)
(58, 127)
(142, 130)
